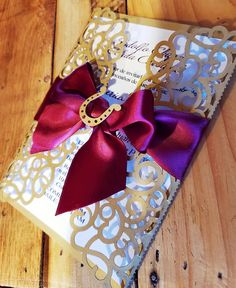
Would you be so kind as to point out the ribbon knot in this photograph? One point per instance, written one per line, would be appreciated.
(98, 169)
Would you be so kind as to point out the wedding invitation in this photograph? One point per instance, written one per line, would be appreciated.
(187, 70)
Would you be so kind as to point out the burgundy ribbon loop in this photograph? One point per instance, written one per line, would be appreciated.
(98, 170)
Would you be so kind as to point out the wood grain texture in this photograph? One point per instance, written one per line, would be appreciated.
(71, 19)
(61, 269)
(202, 12)
(20, 250)
(197, 241)
(26, 29)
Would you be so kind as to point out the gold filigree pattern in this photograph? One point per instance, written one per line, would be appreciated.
(133, 216)
(29, 176)
(103, 40)
(190, 71)
(121, 226)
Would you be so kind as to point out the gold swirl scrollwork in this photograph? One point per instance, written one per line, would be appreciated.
(192, 79)
(103, 40)
(30, 175)
(190, 71)
(122, 224)
(158, 66)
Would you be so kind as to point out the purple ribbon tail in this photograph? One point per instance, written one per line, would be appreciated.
(177, 137)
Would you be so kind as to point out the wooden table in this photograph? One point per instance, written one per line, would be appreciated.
(197, 243)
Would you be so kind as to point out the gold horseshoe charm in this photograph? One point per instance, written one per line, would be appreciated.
(90, 121)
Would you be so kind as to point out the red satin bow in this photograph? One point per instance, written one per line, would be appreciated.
(99, 167)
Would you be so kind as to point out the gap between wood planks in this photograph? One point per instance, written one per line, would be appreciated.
(43, 272)
(45, 239)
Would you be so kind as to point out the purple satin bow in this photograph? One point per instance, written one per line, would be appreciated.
(99, 167)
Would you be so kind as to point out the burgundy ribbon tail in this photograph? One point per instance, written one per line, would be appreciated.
(98, 169)
(97, 172)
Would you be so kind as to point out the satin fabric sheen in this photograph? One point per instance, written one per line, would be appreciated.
(98, 170)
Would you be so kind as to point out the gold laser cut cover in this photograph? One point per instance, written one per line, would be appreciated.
(118, 231)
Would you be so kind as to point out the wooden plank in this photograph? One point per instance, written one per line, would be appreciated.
(197, 241)
(71, 19)
(20, 249)
(26, 29)
(62, 270)
(204, 13)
